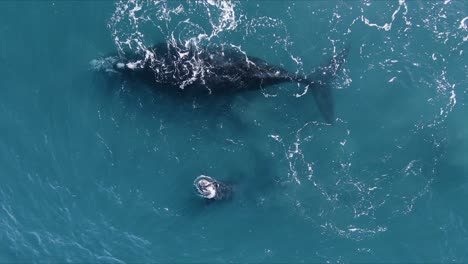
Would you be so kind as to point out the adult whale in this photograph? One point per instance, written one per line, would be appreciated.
(200, 71)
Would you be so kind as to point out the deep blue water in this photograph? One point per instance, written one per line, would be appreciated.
(98, 170)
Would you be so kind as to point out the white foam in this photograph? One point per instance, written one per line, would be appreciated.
(464, 24)
(388, 26)
(132, 65)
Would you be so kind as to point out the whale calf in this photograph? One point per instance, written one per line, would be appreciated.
(211, 189)
(201, 71)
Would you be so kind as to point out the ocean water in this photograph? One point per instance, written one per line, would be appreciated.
(100, 170)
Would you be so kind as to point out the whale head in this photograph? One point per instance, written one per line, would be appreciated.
(113, 65)
(106, 64)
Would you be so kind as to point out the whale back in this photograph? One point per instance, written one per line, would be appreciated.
(208, 70)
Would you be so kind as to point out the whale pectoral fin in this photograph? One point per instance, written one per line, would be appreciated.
(324, 99)
(321, 85)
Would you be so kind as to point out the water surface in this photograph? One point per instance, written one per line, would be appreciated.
(98, 170)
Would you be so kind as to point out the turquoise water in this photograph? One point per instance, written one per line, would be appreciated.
(93, 171)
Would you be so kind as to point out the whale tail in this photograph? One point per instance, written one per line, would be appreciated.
(320, 82)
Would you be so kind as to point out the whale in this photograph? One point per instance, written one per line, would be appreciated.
(211, 189)
(192, 71)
